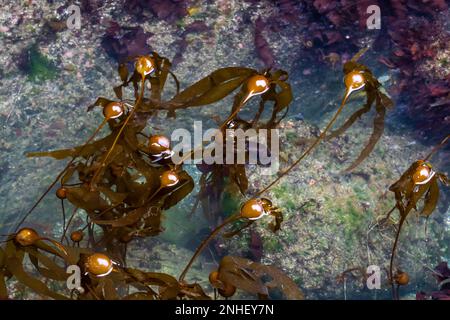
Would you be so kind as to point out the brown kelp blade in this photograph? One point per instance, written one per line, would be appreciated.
(80, 151)
(45, 265)
(355, 116)
(14, 265)
(175, 196)
(282, 100)
(252, 277)
(212, 88)
(378, 129)
(431, 198)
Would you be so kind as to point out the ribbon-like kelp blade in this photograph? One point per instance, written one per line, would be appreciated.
(123, 72)
(50, 270)
(186, 187)
(85, 199)
(14, 265)
(239, 177)
(247, 275)
(431, 198)
(114, 197)
(415, 196)
(129, 218)
(275, 225)
(282, 99)
(282, 281)
(109, 291)
(194, 291)
(66, 153)
(378, 129)
(355, 116)
(212, 88)
(170, 285)
(238, 272)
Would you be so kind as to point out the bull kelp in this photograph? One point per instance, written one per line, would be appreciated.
(122, 184)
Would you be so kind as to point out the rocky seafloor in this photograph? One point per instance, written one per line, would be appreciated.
(329, 216)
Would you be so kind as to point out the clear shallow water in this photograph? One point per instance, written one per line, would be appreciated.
(44, 108)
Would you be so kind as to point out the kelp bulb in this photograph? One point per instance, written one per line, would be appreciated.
(145, 65)
(214, 278)
(401, 278)
(227, 291)
(158, 144)
(113, 110)
(61, 193)
(257, 84)
(253, 209)
(77, 236)
(169, 178)
(354, 80)
(26, 237)
(423, 174)
(99, 265)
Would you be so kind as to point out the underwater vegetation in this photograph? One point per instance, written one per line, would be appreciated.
(418, 182)
(123, 183)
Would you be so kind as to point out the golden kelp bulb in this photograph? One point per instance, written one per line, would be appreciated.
(61, 193)
(214, 279)
(169, 178)
(77, 236)
(354, 80)
(253, 209)
(423, 174)
(158, 144)
(401, 278)
(257, 84)
(145, 65)
(113, 110)
(99, 265)
(227, 291)
(26, 237)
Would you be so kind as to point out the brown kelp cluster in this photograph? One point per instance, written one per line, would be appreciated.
(122, 184)
(419, 183)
